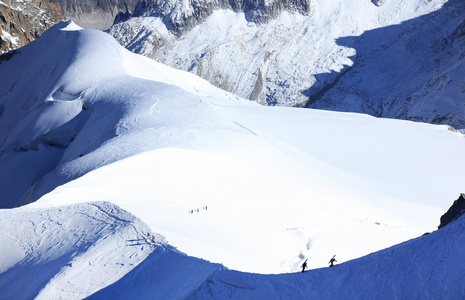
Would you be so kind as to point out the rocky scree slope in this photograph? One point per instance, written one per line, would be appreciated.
(23, 21)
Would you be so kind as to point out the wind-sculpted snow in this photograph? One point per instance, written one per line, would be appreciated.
(99, 251)
(429, 267)
(67, 97)
(68, 252)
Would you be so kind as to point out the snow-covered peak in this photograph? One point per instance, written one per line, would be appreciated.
(71, 26)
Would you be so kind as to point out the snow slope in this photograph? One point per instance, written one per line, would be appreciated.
(401, 59)
(429, 267)
(424, 83)
(272, 186)
(98, 251)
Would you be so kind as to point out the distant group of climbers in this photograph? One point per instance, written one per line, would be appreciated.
(331, 263)
(197, 210)
(151, 239)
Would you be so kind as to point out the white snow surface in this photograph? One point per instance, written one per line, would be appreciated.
(85, 121)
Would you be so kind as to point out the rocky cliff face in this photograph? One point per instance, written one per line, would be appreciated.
(455, 211)
(94, 14)
(23, 21)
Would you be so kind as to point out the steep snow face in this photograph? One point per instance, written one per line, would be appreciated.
(390, 59)
(68, 252)
(255, 188)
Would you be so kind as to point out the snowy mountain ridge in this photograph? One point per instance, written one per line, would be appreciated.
(89, 129)
(181, 16)
(341, 55)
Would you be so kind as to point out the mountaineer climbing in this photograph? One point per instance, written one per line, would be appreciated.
(332, 260)
(304, 266)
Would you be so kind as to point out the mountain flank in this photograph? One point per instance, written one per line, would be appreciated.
(23, 21)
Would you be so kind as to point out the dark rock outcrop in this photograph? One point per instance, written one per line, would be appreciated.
(378, 2)
(455, 211)
(180, 16)
(22, 22)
